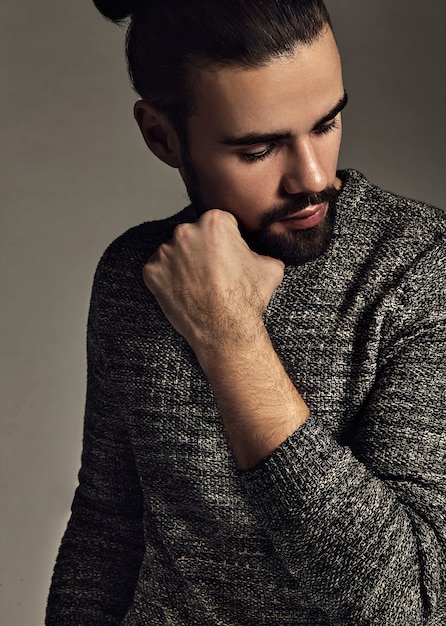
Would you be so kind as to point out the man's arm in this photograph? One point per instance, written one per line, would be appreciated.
(101, 552)
(213, 289)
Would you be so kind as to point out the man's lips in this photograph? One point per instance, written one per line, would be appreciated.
(306, 218)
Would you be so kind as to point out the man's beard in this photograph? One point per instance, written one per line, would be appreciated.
(293, 247)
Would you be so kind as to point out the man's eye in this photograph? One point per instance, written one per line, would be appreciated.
(257, 156)
(323, 130)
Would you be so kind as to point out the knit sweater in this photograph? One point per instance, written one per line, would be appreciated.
(343, 524)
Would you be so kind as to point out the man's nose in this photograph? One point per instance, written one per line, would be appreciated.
(304, 171)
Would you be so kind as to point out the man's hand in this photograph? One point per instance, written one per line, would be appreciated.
(210, 285)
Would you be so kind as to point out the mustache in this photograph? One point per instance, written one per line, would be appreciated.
(297, 203)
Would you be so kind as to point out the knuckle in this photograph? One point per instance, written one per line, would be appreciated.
(231, 218)
(181, 232)
(151, 268)
(218, 216)
(162, 250)
(211, 214)
(147, 273)
(210, 218)
(217, 221)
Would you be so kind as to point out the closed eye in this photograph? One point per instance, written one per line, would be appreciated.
(326, 128)
(257, 156)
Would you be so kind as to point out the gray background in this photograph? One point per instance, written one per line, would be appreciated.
(75, 174)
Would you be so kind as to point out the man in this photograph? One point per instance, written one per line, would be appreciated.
(265, 423)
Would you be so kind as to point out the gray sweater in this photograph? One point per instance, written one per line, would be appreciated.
(345, 523)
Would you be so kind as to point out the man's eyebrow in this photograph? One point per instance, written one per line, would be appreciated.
(335, 110)
(253, 139)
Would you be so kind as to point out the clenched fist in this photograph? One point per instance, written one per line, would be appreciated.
(209, 284)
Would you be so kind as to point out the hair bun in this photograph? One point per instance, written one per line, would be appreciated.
(116, 10)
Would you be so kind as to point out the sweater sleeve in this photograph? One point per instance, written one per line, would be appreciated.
(363, 527)
(101, 551)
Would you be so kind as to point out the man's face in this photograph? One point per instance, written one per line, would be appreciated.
(263, 144)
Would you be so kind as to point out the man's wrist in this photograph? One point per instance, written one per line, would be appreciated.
(236, 347)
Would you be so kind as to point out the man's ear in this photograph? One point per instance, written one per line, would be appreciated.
(159, 134)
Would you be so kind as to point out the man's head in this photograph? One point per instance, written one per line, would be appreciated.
(166, 38)
(244, 98)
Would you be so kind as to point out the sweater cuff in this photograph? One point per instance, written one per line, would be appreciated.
(309, 465)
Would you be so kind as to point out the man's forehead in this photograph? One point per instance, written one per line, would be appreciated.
(307, 84)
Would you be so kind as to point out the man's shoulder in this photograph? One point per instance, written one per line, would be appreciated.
(118, 275)
(387, 216)
(137, 244)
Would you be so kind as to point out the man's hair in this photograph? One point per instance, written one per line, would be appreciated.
(166, 38)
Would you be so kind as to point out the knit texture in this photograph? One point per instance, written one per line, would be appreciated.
(345, 523)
